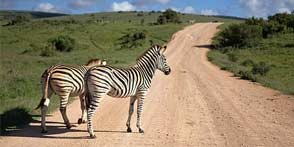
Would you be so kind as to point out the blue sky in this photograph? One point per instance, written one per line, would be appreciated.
(240, 8)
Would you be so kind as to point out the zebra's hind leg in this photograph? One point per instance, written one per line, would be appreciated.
(131, 110)
(63, 104)
(141, 96)
(44, 109)
(43, 123)
(83, 108)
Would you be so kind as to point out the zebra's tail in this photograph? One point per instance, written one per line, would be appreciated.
(87, 94)
(45, 80)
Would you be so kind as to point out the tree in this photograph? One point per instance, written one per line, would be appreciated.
(168, 16)
(238, 35)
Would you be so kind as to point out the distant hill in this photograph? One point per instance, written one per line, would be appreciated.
(10, 14)
(115, 16)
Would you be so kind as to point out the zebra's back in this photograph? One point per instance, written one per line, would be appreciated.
(117, 82)
(67, 79)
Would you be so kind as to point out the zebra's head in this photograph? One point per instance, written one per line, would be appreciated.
(96, 62)
(161, 63)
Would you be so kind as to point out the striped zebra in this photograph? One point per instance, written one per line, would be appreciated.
(133, 82)
(65, 81)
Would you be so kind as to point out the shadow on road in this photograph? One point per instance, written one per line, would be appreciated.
(56, 130)
(204, 46)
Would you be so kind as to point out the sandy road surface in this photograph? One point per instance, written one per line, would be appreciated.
(197, 105)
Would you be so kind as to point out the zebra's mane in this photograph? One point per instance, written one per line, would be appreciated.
(154, 47)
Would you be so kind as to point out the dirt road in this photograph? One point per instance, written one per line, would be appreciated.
(197, 105)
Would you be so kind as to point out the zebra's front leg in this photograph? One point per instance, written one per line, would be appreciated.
(94, 102)
(141, 97)
(131, 110)
(83, 108)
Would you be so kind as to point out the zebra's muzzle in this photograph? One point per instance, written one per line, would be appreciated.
(167, 72)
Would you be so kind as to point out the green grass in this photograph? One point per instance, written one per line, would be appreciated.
(96, 36)
(277, 51)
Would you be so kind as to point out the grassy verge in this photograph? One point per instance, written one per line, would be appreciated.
(276, 52)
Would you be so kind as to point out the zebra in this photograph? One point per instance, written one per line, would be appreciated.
(65, 81)
(133, 82)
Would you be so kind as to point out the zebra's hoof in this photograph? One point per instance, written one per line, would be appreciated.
(80, 121)
(68, 126)
(141, 131)
(129, 130)
(44, 131)
(92, 136)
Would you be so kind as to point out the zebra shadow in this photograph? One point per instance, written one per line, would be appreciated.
(204, 46)
(56, 130)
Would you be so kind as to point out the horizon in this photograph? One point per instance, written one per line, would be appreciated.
(239, 8)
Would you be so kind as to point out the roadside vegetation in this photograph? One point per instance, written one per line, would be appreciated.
(258, 50)
(33, 41)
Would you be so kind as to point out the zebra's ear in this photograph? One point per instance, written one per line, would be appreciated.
(163, 49)
(103, 62)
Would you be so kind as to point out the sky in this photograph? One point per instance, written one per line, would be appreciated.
(239, 8)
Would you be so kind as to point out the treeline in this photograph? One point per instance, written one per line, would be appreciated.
(250, 33)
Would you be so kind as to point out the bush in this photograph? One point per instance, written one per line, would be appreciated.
(48, 51)
(63, 43)
(261, 68)
(272, 27)
(238, 35)
(247, 75)
(169, 16)
(133, 38)
(20, 19)
(247, 62)
(232, 57)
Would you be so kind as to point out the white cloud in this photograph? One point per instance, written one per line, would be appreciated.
(208, 12)
(175, 9)
(284, 10)
(122, 6)
(46, 7)
(189, 9)
(263, 8)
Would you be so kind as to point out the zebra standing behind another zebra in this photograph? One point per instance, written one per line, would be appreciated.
(65, 81)
(132, 82)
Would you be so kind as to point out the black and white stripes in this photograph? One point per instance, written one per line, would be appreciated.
(132, 82)
(65, 81)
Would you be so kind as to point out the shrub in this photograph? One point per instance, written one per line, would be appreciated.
(261, 68)
(247, 62)
(255, 21)
(140, 14)
(63, 43)
(48, 51)
(20, 19)
(247, 75)
(272, 27)
(232, 57)
(133, 38)
(238, 35)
